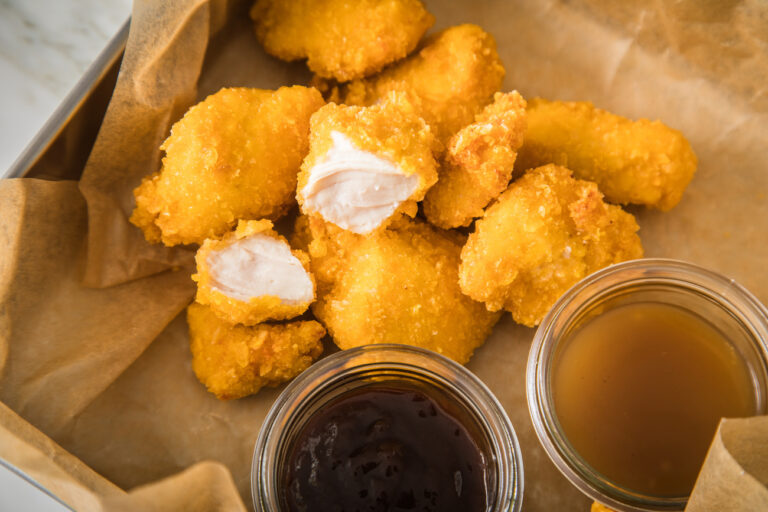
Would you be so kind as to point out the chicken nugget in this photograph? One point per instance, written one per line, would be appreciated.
(597, 507)
(341, 39)
(542, 235)
(450, 79)
(235, 155)
(638, 162)
(251, 275)
(234, 361)
(328, 247)
(365, 164)
(478, 163)
(399, 285)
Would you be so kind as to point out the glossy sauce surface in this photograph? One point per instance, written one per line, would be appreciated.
(385, 447)
(639, 391)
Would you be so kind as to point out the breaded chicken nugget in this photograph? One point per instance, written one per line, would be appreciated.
(341, 39)
(542, 235)
(328, 247)
(251, 275)
(478, 163)
(450, 79)
(638, 162)
(366, 163)
(399, 285)
(234, 361)
(233, 156)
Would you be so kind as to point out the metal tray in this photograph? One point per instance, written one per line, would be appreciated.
(73, 127)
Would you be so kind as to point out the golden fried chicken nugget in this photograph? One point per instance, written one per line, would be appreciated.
(478, 163)
(234, 361)
(597, 507)
(251, 275)
(328, 247)
(450, 79)
(365, 164)
(341, 39)
(638, 162)
(235, 155)
(400, 286)
(542, 235)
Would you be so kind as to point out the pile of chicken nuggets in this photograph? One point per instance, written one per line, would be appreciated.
(429, 200)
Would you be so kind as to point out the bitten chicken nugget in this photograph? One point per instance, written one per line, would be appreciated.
(366, 163)
(341, 39)
(251, 275)
(235, 155)
(234, 361)
(478, 163)
(399, 285)
(450, 79)
(638, 162)
(542, 235)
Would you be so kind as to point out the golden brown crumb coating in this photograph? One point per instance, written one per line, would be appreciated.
(638, 162)
(235, 155)
(328, 247)
(341, 39)
(258, 308)
(400, 286)
(391, 131)
(478, 163)
(451, 79)
(542, 235)
(234, 361)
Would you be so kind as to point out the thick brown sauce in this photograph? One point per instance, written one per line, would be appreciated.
(384, 447)
(639, 392)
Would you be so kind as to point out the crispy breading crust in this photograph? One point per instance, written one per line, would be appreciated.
(258, 309)
(542, 235)
(233, 156)
(638, 162)
(328, 247)
(341, 39)
(450, 79)
(400, 286)
(391, 130)
(478, 163)
(234, 361)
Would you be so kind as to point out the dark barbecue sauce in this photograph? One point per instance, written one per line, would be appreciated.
(385, 447)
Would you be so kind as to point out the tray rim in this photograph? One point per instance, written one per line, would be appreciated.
(71, 104)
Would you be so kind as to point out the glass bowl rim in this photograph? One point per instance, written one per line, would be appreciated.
(678, 272)
(296, 390)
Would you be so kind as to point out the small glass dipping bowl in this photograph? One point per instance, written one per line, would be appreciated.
(728, 307)
(350, 369)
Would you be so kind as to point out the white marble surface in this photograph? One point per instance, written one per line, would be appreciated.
(45, 46)
(18, 494)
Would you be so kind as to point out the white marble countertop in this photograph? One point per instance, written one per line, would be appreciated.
(45, 47)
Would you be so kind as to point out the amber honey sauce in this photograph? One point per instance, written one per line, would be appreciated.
(639, 391)
(631, 372)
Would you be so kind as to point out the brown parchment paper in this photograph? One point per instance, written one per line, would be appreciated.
(94, 359)
(735, 475)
